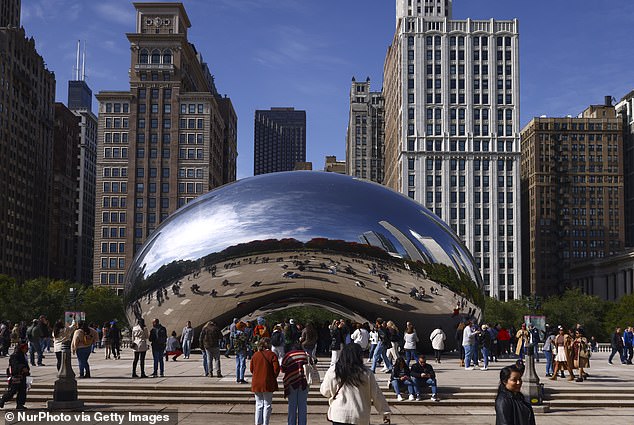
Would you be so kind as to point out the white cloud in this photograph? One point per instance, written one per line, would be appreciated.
(119, 12)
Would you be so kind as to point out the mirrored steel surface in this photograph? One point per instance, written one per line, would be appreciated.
(303, 237)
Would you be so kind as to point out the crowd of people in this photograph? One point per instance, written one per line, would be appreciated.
(292, 349)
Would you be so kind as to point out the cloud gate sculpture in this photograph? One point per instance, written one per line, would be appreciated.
(278, 240)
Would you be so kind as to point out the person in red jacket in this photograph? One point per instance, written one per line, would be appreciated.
(265, 368)
(504, 342)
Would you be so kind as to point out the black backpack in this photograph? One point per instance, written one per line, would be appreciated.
(277, 339)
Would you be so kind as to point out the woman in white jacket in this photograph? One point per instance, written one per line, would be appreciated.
(140, 335)
(438, 338)
(352, 389)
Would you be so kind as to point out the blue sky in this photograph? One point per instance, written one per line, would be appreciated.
(303, 53)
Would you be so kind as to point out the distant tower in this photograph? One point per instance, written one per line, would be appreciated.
(280, 140)
(79, 94)
(10, 13)
(80, 104)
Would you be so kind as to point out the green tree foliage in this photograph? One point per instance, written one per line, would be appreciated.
(24, 301)
(510, 313)
(621, 313)
(572, 307)
(306, 314)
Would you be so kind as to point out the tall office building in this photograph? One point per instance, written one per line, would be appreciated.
(452, 142)
(27, 96)
(625, 111)
(279, 140)
(365, 135)
(10, 13)
(572, 191)
(161, 143)
(63, 230)
(80, 103)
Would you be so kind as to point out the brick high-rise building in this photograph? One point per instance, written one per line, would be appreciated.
(572, 194)
(161, 143)
(452, 134)
(27, 97)
(63, 228)
(279, 140)
(365, 137)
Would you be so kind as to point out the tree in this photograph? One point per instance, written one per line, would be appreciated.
(621, 313)
(510, 313)
(574, 307)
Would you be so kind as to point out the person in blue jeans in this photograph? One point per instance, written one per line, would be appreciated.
(158, 338)
(381, 348)
(422, 374)
(240, 343)
(401, 376)
(295, 384)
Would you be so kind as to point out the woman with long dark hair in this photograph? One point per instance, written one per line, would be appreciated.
(351, 389)
(510, 406)
(140, 335)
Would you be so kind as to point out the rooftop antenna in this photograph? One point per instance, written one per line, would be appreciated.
(77, 65)
(83, 64)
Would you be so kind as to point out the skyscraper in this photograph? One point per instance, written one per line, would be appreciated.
(80, 103)
(625, 111)
(63, 229)
(572, 191)
(27, 96)
(279, 140)
(365, 135)
(162, 143)
(451, 90)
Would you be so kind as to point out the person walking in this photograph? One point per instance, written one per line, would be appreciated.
(581, 354)
(264, 368)
(523, 337)
(561, 350)
(628, 344)
(616, 343)
(308, 340)
(140, 336)
(510, 406)
(187, 337)
(484, 339)
(83, 339)
(209, 340)
(380, 352)
(438, 338)
(336, 341)
(158, 339)
(115, 340)
(352, 389)
(18, 371)
(295, 384)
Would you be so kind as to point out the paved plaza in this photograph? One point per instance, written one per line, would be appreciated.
(452, 409)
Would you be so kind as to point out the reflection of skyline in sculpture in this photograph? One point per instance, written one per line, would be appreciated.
(302, 237)
(412, 252)
(380, 241)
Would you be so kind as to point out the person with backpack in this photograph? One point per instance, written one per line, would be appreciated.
(34, 336)
(18, 370)
(158, 339)
(278, 341)
(210, 337)
(240, 343)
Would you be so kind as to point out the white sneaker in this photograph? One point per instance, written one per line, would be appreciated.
(411, 397)
(384, 369)
(399, 397)
(484, 368)
(469, 368)
(434, 397)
